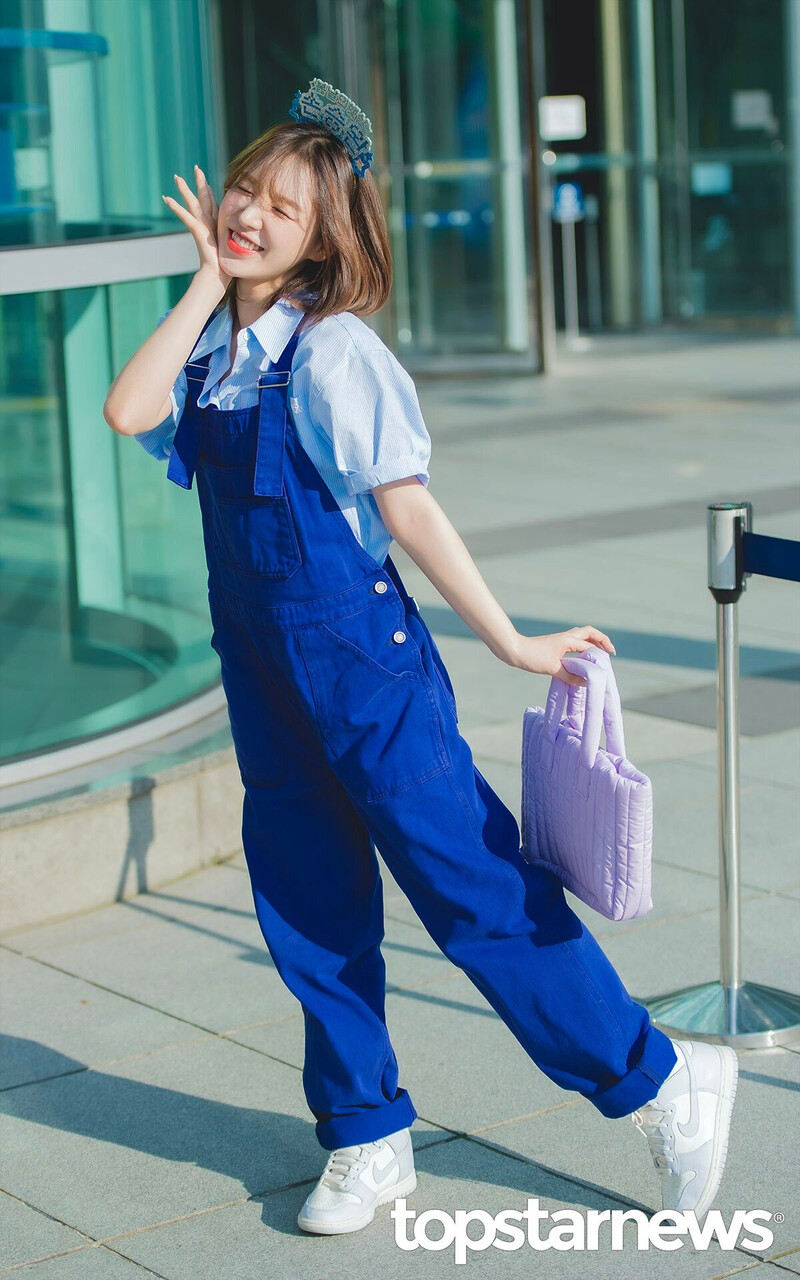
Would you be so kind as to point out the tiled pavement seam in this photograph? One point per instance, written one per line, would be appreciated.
(471, 1136)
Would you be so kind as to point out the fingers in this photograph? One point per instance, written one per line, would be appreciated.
(191, 199)
(569, 678)
(593, 636)
(202, 193)
(204, 190)
(182, 213)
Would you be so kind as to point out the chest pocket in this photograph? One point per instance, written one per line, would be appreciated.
(251, 534)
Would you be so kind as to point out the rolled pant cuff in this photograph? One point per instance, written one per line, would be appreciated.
(367, 1126)
(642, 1082)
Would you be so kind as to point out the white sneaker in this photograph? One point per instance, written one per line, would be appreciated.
(687, 1124)
(356, 1180)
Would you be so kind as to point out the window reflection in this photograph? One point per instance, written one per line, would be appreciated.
(126, 80)
(103, 601)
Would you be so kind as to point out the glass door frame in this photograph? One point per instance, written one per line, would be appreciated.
(362, 61)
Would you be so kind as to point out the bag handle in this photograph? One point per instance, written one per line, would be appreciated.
(590, 708)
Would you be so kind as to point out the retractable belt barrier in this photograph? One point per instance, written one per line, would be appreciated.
(745, 1015)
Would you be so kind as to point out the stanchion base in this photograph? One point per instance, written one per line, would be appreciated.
(747, 1017)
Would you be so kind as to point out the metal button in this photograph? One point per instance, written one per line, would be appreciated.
(399, 637)
(380, 587)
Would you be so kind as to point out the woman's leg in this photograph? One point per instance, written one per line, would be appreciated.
(452, 846)
(454, 849)
(318, 897)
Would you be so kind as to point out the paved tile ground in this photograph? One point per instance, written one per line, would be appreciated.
(154, 1121)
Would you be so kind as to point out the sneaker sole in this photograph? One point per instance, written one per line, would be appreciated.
(357, 1224)
(730, 1077)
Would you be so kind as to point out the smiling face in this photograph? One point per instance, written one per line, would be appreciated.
(272, 235)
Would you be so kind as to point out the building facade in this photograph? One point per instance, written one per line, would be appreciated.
(671, 125)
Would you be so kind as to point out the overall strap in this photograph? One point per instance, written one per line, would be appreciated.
(273, 391)
(186, 443)
(196, 372)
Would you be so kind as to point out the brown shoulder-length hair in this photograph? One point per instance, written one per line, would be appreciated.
(356, 272)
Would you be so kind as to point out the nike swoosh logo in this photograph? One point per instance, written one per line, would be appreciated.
(382, 1174)
(690, 1130)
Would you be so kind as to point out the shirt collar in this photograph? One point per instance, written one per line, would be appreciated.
(272, 331)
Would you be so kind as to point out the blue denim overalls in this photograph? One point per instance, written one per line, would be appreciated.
(345, 729)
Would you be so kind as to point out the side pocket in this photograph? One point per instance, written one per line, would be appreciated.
(432, 660)
(368, 634)
(444, 677)
(381, 724)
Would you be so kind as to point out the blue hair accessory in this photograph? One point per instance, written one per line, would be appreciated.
(338, 113)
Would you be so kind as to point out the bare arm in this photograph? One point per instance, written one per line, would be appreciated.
(417, 522)
(138, 398)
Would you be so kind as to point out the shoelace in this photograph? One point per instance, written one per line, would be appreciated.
(653, 1121)
(343, 1167)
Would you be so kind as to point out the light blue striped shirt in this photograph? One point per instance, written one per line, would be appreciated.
(354, 406)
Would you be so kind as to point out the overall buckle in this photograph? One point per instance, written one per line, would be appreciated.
(274, 378)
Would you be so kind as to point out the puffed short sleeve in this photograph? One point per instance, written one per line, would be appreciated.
(158, 440)
(368, 407)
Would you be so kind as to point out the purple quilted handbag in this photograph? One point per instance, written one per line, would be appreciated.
(587, 813)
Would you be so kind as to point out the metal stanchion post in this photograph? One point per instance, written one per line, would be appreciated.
(745, 1015)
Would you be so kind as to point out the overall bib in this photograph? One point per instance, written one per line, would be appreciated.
(345, 729)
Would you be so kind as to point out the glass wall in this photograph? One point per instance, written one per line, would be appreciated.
(458, 157)
(104, 606)
(724, 117)
(685, 164)
(443, 82)
(103, 603)
(101, 101)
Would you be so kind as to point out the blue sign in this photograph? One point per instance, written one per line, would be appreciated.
(712, 178)
(568, 202)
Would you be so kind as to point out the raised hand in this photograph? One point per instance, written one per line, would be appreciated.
(200, 217)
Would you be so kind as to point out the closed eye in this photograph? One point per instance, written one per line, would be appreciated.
(239, 187)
